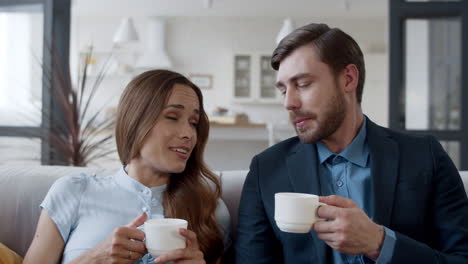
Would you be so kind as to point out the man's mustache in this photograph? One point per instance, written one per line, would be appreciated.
(293, 115)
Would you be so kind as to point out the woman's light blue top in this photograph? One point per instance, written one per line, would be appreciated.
(86, 209)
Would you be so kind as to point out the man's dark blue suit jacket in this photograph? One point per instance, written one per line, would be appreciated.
(418, 194)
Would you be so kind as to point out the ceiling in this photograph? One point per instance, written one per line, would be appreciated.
(337, 9)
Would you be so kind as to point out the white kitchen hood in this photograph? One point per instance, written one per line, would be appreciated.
(154, 56)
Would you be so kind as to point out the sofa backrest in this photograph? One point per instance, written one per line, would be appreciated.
(231, 184)
(22, 189)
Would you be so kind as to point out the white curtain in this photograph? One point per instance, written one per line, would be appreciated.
(20, 70)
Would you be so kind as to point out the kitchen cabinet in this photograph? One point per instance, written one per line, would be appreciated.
(254, 79)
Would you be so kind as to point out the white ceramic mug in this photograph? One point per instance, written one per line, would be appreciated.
(296, 212)
(162, 235)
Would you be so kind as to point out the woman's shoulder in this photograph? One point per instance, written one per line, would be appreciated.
(71, 183)
(67, 189)
(78, 182)
(64, 199)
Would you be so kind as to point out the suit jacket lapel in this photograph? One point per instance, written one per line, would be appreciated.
(303, 175)
(384, 154)
(303, 169)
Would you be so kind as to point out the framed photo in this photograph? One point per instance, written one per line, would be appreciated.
(204, 81)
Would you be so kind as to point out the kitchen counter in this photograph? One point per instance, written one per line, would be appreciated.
(246, 125)
(241, 131)
(250, 132)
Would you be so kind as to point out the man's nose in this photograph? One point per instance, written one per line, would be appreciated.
(291, 99)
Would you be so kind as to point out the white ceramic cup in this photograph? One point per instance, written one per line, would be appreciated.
(296, 212)
(162, 235)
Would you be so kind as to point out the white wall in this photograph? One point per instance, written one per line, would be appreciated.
(205, 45)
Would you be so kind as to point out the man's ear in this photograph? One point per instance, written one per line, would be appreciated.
(351, 78)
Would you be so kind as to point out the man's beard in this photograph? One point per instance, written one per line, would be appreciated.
(327, 123)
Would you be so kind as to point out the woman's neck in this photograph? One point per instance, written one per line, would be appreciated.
(146, 175)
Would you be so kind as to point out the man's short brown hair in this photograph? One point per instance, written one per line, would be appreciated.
(333, 46)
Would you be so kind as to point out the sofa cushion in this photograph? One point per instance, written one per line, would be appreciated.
(8, 256)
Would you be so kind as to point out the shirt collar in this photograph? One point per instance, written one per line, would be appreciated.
(129, 183)
(357, 152)
(323, 152)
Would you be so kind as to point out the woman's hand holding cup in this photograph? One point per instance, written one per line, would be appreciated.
(190, 254)
(124, 245)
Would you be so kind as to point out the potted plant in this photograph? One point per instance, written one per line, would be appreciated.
(77, 135)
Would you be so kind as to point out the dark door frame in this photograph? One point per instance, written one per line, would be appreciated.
(400, 10)
(56, 41)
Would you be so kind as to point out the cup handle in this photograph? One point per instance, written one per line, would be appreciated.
(316, 212)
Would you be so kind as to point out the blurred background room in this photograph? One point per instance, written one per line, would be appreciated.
(412, 49)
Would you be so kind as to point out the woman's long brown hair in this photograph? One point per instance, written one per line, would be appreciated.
(191, 194)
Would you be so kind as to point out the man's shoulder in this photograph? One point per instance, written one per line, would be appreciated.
(282, 148)
(401, 137)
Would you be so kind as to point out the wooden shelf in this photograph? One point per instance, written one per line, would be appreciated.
(240, 125)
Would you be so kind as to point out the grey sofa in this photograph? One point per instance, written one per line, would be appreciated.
(22, 189)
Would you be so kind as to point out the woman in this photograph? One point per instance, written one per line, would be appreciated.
(161, 133)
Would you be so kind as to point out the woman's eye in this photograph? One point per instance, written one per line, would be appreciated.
(171, 117)
(194, 122)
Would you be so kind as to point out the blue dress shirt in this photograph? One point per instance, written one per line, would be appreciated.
(348, 174)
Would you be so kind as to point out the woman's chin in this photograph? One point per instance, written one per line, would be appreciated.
(178, 168)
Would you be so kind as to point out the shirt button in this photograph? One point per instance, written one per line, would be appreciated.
(339, 183)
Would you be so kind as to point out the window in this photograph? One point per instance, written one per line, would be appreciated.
(428, 81)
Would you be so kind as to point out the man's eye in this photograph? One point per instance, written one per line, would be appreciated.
(301, 85)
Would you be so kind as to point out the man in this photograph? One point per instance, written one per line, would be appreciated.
(391, 197)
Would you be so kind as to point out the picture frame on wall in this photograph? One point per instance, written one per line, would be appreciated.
(203, 81)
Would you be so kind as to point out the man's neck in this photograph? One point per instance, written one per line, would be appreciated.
(347, 131)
